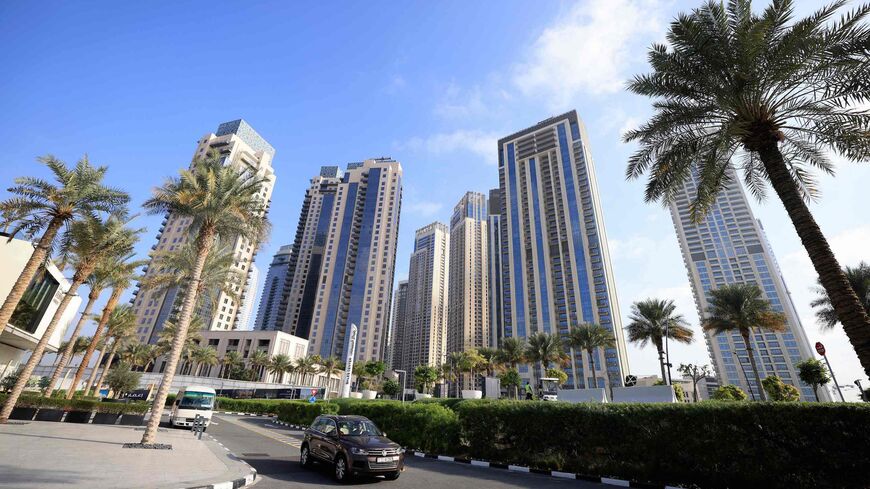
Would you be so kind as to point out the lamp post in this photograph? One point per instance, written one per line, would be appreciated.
(404, 383)
(861, 391)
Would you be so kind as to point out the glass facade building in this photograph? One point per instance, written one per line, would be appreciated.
(273, 287)
(729, 246)
(555, 265)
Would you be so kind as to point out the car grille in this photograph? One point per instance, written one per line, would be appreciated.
(385, 465)
(386, 452)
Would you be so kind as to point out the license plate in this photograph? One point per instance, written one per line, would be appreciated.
(381, 460)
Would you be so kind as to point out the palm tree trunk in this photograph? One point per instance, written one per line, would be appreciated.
(98, 334)
(36, 355)
(206, 241)
(30, 269)
(695, 390)
(93, 377)
(67, 352)
(106, 368)
(816, 392)
(850, 312)
(592, 370)
(662, 363)
(752, 364)
(574, 367)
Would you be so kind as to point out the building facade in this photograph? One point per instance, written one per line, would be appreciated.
(424, 337)
(248, 299)
(556, 269)
(728, 247)
(468, 288)
(267, 312)
(397, 326)
(494, 268)
(241, 146)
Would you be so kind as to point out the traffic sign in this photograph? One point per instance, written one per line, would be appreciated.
(630, 380)
(820, 348)
(312, 399)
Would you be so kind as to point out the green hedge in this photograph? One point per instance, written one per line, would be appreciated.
(449, 402)
(86, 404)
(303, 412)
(253, 406)
(705, 444)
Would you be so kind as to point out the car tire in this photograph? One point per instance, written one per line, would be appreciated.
(393, 475)
(305, 457)
(341, 470)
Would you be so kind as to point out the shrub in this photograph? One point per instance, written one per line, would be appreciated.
(121, 379)
(557, 374)
(449, 402)
(253, 406)
(79, 404)
(390, 387)
(778, 390)
(303, 412)
(729, 393)
(426, 426)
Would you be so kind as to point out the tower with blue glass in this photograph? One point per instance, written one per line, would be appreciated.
(729, 246)
(555, 265)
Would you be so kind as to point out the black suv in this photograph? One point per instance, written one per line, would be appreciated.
(354, 445)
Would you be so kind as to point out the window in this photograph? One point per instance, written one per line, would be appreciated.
(29, 311)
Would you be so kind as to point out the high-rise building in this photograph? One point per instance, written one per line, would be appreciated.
(354, 236)
(248, 299)
(556, 269)
(424, 339)
(397, 325)
(468, 289)
(241, 146)
(267, 313)
(493, 256)
(728, 246)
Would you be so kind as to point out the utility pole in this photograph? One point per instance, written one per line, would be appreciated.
(820, 349)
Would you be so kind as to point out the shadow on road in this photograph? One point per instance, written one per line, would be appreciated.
(289, 470)
(19, 477)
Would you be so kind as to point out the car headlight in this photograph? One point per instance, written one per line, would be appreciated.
(358, 451)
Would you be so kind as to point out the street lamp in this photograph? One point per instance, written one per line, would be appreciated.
(861, 391)
(404, 383)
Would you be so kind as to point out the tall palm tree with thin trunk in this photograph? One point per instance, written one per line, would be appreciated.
(223, 203)
(280, 365)
(39, 204)
(656, 321)
(590, 337)
(305, 366)
(776, 94)
(83, 243)
(859, 279)
(742, 307)
(138, 355)
(167, 335)
(512, 352)
(330, 366)
(543, 349)
(454, 359)
(258, 360)
(122, 276)
(119, 330)
(231, 361)
(203, 356)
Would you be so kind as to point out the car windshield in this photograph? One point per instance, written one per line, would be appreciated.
(358, 427)
(197, 400)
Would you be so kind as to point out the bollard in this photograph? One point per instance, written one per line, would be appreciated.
(198, 426)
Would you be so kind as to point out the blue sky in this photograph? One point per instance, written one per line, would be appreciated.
(432, 85)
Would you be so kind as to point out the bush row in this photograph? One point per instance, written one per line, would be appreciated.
(253, 406)
(39, 402)
(429, 426)
(303, 412)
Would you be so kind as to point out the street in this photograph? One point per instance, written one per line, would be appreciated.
(274, 451)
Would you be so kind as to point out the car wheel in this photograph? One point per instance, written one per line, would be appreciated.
(393, 475)
(342, 473)
(305, 456)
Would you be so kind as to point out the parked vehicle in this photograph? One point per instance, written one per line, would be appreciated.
(548, 389)
(190, 402)
(353, 445)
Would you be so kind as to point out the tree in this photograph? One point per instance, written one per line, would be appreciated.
(374, 370)
(82, 244)
(359, 372)
(777, 390)
(558, 374)
(330, 366)
(203, 356)
(259, 359)
(166, 337)
(859, 280)
(543, 350)
(279, 365)
(138, 355)
(679, 393)
(813, 373)
(425, 377)
(450, 370)
(655, 321)
(121, 379)
(119, 330)
(729, 393)
(231, 361)
(589, 337)
(511, 378)
(741, 307)
(469, 361)
(774, 92)
(489, 362)
(390, 388)
(512, 352)
(39, 204)
(695, 373)
(305, 366)
(11, 380)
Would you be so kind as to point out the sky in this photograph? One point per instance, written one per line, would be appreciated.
(433, 85)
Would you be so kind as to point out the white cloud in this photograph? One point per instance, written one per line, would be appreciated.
(459, 103)
(589, 49)
(482, 144)
(423, 208)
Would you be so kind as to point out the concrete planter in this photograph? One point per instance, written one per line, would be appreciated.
(49, 415)
(77, 417)
(132, 419)
(418, 395)
(472, 394)
(105, 418)
(369, 394)
(356, 395)
(25, 413)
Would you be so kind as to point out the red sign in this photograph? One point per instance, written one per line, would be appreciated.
(820, 348)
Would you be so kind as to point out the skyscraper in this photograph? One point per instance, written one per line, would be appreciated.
(424, 339)
(267, 312)
(729, 246)
(354, 235)
(249, 297)
(556, 268)
(494, 279)
(397, 326)
(241, 146)
(468, 290)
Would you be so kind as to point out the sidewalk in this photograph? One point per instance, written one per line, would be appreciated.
(38, 454)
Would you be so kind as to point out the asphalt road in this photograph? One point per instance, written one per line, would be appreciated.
(274, 451)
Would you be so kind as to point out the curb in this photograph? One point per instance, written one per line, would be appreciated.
(243, 414)
(233, 484)
(552, 473)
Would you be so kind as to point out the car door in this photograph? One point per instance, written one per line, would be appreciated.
(315, 438)
(329, 442)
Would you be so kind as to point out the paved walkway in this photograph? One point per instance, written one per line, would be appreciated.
(41, 454)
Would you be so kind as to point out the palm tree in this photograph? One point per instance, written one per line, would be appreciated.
(777, 93)
(469, 362)
(121, 330)
(451, 375)
(330, 366)
(258, 360)
(656, 321)
(280, 365)
(231, 360)
(543, 349)
(512, 352)
(202, 356)
(138, 355)
(488, 364)
(859, 279)
(589, 337)
(167, 335)
(223, 202)
(122, 276)
(39, 204)
(307, 365)
(83, 244)
(741, 307)
(359, 372)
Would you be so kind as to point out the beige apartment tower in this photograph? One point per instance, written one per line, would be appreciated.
(239, 145)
